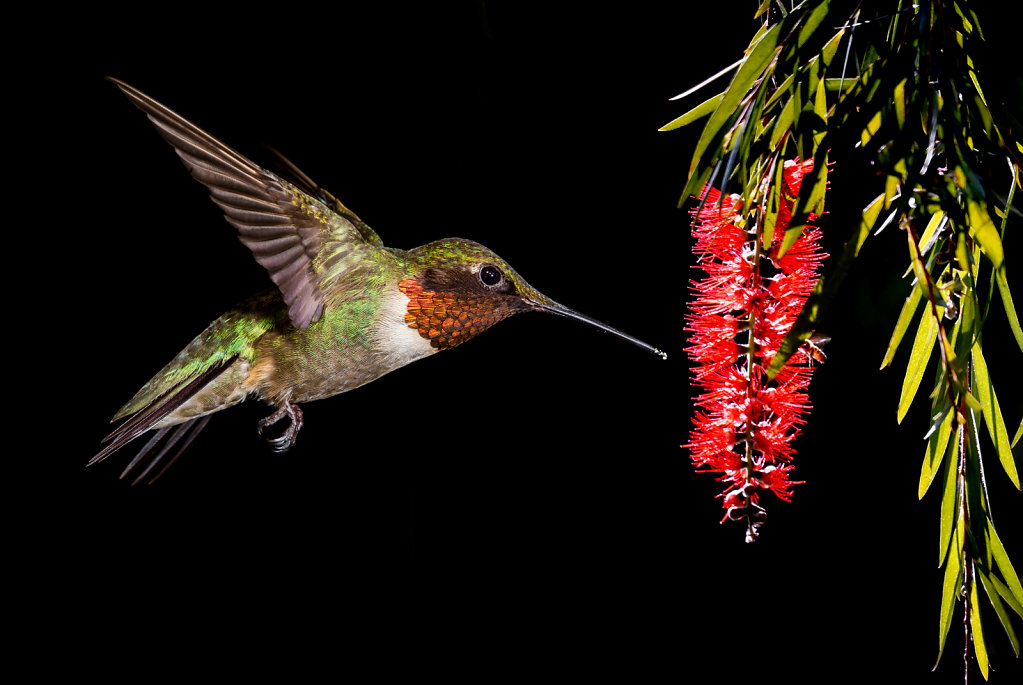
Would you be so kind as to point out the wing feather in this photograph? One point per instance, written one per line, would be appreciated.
(290, 232)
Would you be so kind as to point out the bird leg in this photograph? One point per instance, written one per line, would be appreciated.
(284, 442)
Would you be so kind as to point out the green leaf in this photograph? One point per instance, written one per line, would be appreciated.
(810, 200)
(783, 123)
(985, 392)
(819, 13)
(701, 110)
(695, 185)
(820, 108)
(927, 238)
(1010, 308)
(992, 594)
(873, 126)
(773, 202)
(948, 498)
(985, 232)
(1004, 565)
(923, 343)
(825, 289)
(779, 91)
(977, 632)
(905, 317)
(900, 103)
(923, 280)
(1019, 433)
(936, 446)
(830, 48)
(1006, 594)
(752, 67)
(950, 590)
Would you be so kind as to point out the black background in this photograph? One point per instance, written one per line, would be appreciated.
(519, 506)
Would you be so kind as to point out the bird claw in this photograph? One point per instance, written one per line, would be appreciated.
(283, 442)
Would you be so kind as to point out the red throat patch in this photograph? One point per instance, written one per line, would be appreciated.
(445, 319)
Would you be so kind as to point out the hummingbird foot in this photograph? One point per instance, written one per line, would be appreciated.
(283, 442)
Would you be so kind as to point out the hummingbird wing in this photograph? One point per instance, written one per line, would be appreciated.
(307, 245)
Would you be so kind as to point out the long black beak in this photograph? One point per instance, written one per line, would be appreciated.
(552, 307)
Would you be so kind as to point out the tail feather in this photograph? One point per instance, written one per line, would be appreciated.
(186, 431)
(151, 415)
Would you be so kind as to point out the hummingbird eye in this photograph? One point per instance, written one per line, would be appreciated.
(490, 275)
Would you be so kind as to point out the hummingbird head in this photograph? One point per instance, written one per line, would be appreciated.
(461, 288)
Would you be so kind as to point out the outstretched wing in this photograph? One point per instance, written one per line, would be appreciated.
(305, 244)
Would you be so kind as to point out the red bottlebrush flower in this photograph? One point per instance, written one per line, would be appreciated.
(742, 309)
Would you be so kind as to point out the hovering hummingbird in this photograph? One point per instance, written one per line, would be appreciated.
(345, 310)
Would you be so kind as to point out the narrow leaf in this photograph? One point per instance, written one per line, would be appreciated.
(1004, 564)
(923, 343)
(905, 317)
(773, 203)
(873, 126)
(992, 594)
(779, 91)
(976, 631)
(949, 592)
(831, 47)
(900, 103)
(930, 233)
(1006, 594)
(1010, 309)
(948, 497)
(705, 81)
(752, 67)
(985, 392)
(701, 110)
(819, 13)
(825, 289)
(784, 122)
(985, 232)
(820, 108)
(810, 200)
(936, 446)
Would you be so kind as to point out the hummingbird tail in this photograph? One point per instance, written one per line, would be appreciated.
(165, 438)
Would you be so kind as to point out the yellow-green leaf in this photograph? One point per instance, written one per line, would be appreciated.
(756, 61)
(949, 590)
(1010, 308)
(825, 289)
(783, 122)
(985, 232)
(979, 648)
(773, 203)
(948, 497)
(873, 126)
(1003, 563)
(820, 108)
(819, 13)
(831, 47)
(923, 343)
(991, 587)
(936, 447)
(701, 110)
(809, 201)
(905, 316)
(900, 103)
(932, 227)
(996, 428)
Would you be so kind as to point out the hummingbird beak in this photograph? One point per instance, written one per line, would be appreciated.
(544, 304)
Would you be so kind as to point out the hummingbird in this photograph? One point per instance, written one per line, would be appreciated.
(345, 309)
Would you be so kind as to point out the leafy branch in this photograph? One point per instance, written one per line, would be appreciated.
(901, 93)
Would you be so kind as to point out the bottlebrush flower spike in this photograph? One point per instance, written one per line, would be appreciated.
(742, 309)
